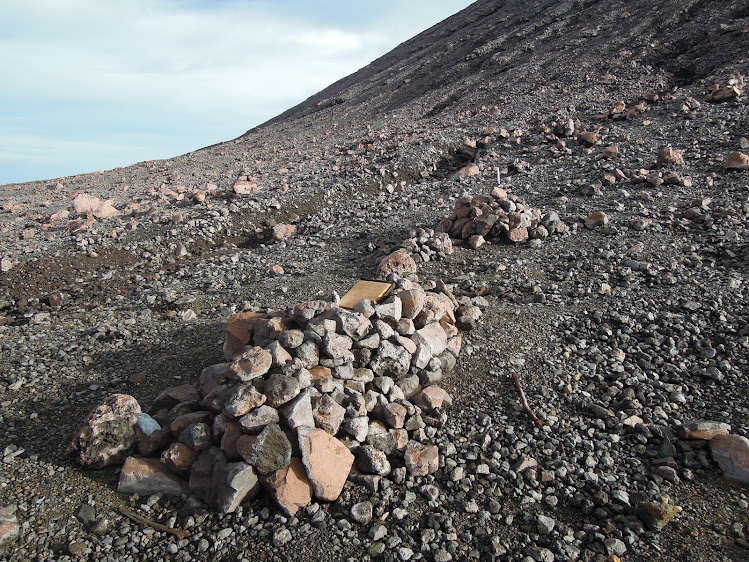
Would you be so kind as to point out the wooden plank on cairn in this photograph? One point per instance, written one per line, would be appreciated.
(372, 290)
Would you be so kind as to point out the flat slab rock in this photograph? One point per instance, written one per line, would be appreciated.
(149, 476)
(731, 452)
(326, 460)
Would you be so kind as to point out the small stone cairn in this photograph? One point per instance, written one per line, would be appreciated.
(307, 398)
(501, 217)
(475, 220)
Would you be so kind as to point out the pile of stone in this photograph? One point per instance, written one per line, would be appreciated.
(427, 245)
(499, 216)
(307, 399)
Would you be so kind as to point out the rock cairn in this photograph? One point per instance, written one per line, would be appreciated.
(499, 216)
(307, 398)
(476, 219)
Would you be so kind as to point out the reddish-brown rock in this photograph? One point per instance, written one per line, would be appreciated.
(238, 333)
(326, 460)
(703, 429)
(597, 218)
(174, 395)
(146, 477)
(669, 156)
(178, 457)
(290, 487)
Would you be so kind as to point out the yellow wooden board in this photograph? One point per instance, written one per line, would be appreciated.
(372, 290)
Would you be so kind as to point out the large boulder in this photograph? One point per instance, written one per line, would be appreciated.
(108, 433)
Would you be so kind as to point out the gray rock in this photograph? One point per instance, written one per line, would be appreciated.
(545, 525)
(271, 451)
(280, 389)
(197, 436)
(362, 512)
(372, 460)
(108, 433)
(258, 419)
(298, 412)
(614, 546)
(241, 399)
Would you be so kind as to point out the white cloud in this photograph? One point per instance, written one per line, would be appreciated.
(217, 67)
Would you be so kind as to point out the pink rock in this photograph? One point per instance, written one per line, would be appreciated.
(290, 487)
(279, 356)
(9, 527)
(394, 415)
(85, 204)
(432, 397)
(431, 336)
(703, 429)
(454, 345)
(238, 333)
(146, 477)
(328, 414)
(737, 161)
(476, 241)
(275, 270)
(283, 231)
(597, 218)
(252, 363)
(401, 438)
(336, 345)
(244, 186)
(467, 171)
(399, 262)
(421, 459)
(108, 432)
(731, 452)
(326, 460)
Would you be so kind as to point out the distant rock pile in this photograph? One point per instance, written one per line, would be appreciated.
(501, 217)
(475, 220)
(308, 398)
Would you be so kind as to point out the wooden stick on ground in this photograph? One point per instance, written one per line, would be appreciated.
(523, 398)
(130, 514)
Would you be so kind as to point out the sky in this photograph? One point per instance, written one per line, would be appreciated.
(90, 85)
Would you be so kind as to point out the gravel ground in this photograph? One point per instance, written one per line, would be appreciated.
(645, 316)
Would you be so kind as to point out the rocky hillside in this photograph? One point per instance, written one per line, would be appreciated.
(573, 174)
